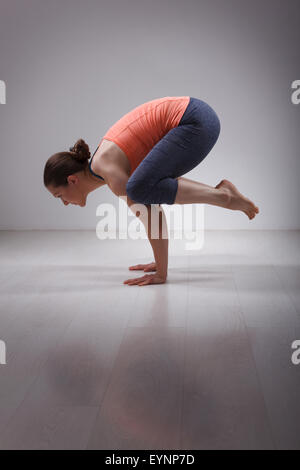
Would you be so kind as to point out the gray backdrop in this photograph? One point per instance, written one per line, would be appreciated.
(74, 67)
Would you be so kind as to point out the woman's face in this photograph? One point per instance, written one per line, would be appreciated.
(72, 193)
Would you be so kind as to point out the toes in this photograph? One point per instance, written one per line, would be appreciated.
(251, 213)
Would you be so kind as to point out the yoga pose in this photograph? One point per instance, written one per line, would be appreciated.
(143, 157)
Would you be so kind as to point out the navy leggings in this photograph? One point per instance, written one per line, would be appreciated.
(177, 153)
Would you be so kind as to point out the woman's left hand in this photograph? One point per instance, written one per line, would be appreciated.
(155, 278)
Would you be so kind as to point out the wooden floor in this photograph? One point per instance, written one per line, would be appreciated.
(201, 362)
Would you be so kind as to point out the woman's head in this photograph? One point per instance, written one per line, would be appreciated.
(65, 174)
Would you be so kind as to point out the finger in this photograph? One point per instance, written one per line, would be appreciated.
(129, 281)
(137, 266)
(133, 283)
(135, 280)
(144, 283)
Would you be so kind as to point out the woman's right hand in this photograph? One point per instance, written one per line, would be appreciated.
(144, 267)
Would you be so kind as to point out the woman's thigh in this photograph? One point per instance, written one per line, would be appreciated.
(183, 147)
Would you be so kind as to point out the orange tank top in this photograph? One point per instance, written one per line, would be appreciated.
(140, 129)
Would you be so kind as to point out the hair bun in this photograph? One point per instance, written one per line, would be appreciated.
(81, 151)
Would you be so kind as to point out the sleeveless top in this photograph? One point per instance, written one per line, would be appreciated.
(140, 129)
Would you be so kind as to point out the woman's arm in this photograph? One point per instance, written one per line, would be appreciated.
(117, 179)
(159, 236)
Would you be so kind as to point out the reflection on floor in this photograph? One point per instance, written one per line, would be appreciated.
(201, 362)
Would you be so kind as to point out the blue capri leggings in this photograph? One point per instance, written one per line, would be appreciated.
(177, 153)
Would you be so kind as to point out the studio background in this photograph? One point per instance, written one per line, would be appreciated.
(73, 68)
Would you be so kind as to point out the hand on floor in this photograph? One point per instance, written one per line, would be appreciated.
(144, 267)
(145, 280)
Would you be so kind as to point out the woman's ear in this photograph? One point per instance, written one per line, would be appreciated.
(72, 179)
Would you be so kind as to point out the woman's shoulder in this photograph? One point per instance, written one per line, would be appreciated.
(110, 159)
(110, 155)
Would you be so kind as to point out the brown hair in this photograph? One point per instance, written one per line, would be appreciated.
(62, 164)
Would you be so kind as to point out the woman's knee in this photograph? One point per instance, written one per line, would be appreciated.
(216, 128)
(213, 133)
(137, 190)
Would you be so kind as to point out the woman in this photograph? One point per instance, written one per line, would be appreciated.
(143, 157)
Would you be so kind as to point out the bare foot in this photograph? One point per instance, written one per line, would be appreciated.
(238, 201)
